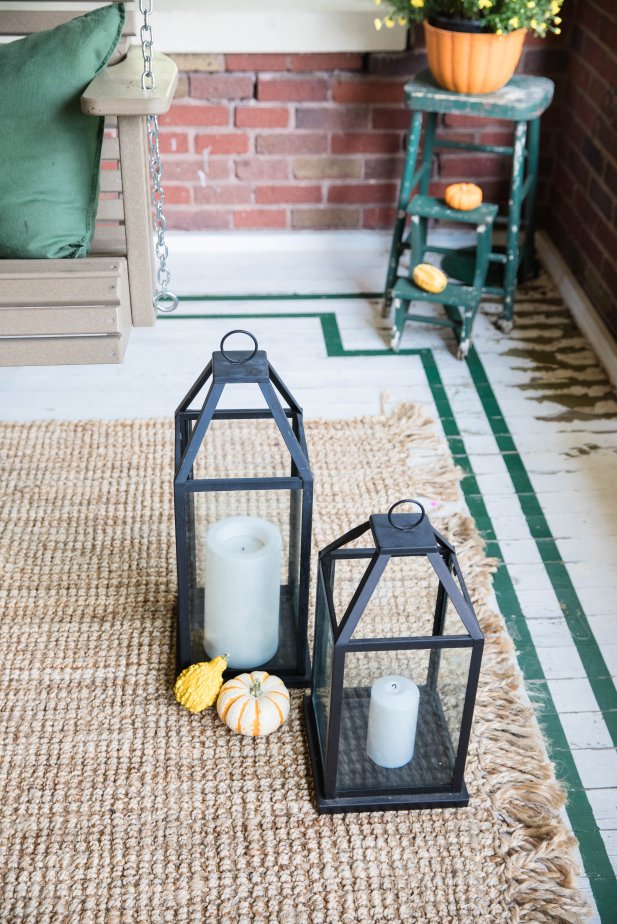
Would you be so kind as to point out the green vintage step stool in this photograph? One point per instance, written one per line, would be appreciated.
(460, 301)
(522, 102)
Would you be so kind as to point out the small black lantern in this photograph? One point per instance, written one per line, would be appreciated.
(243, 495)
(395, 669)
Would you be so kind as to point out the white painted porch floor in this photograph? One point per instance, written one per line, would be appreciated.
(562, 417)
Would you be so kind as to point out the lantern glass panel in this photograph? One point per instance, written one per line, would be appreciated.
(403, 604)
(451, 683)
(282, 509)
(452, 623)
(322, 670)
(442, 694)
(242, 449)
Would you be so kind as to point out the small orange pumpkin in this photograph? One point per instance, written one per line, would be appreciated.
(253, 704)
(429, 277)
(463, 196)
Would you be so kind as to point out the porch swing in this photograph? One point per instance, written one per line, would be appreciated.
(65, 311)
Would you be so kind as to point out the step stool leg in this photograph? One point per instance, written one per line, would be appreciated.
(484, 244)
(427, 152)
(514, 220)
(468, 315)
(413, 144)
(400, 314)
(456, 314)
(419, 226)
(418, 232)
(528, 268)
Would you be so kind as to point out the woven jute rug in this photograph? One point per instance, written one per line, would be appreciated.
(121, 807)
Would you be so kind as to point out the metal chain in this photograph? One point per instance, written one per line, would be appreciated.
(145, 34)
(163, 299)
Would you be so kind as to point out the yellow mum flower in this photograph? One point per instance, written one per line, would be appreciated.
(533, 23)
(485, 4)
(555, 7)
(557, 31)
(418, 4)
(378, 24)
(377, 2)
(402, 20)
(557, 20)
(389, 22)
(513, 22)
(531, 5)
(498, 31)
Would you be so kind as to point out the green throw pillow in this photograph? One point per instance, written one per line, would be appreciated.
(50, 150)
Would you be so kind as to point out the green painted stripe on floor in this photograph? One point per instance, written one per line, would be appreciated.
(595, 666)
(221, 315)
(279, 297)
(593, 850)
(332, 335)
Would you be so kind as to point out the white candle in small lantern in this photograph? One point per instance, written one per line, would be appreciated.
(242, 590)
(392, 721)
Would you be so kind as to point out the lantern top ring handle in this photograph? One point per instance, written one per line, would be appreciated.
(407, 500)
(246, 358)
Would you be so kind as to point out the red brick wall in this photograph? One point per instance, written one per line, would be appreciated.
(310, 141)
(582, 214)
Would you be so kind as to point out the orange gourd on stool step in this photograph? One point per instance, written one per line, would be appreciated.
(463, 196)
(429, 277)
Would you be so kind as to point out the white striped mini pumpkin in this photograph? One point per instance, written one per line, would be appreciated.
(253, 704)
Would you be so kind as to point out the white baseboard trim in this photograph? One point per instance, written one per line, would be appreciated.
(586, 316)
(239, 242)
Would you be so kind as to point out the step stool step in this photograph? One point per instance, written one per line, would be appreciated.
(456, 295)
(429, 207)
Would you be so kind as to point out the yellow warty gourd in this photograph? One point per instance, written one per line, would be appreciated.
(428, 277)
(253, 704)
(198, 686)
(463, 196)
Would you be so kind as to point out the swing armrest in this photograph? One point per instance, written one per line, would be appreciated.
(117, 90)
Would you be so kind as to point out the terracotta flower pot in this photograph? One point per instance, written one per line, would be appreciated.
(472, 62)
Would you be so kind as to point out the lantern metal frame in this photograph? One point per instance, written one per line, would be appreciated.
(394, 535)
(233, 367)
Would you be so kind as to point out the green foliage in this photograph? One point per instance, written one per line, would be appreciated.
(499, 16)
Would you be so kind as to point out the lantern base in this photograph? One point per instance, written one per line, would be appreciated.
(285, 663)
(290, 678)
(381, 802)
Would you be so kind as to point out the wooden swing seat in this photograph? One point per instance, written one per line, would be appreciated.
(82, 310)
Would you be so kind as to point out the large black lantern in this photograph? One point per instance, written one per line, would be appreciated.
(395, 669)
(243, 495)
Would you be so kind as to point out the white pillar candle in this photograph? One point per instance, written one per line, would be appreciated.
(392, 720)
(242, 591)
